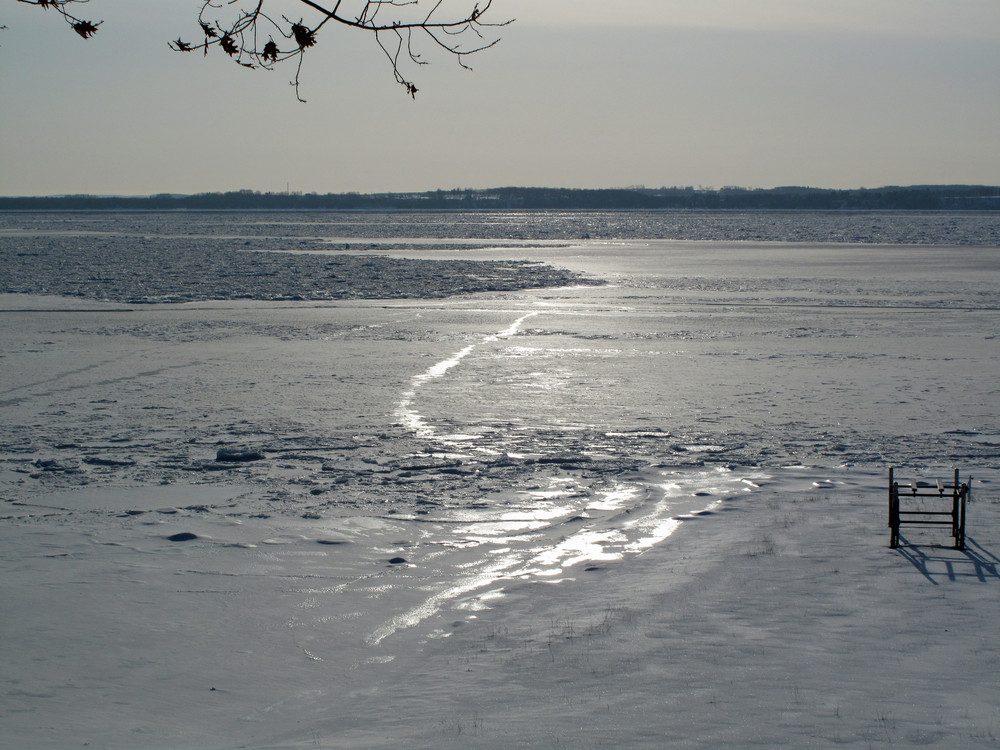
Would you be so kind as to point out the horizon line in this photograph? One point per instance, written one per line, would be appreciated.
(628, 188)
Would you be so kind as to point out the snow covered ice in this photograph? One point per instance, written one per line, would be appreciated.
(497, 486)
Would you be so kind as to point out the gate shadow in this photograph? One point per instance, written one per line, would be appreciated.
(937, 562)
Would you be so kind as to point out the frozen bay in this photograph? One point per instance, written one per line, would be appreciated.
(456, 487)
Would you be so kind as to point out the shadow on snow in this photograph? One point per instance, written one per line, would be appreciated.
(936, 562)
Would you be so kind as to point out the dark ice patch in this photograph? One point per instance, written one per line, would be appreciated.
(238, 454)
(105, 461)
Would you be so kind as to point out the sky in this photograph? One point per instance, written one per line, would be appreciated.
(578, 93)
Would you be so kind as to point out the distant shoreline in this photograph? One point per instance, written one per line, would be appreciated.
(976, 198)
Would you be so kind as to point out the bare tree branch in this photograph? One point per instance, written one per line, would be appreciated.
(255, 39)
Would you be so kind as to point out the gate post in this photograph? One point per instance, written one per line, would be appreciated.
(893, 512)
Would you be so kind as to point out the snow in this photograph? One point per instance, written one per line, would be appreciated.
(643, 514)
(778, 617)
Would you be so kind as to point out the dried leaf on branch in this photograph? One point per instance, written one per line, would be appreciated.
(270, 52)
(304, 37)
(85, 29)
(228, 45)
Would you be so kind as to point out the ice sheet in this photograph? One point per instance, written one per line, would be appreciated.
(646, 513)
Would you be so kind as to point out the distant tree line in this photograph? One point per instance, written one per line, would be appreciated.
(913, 198)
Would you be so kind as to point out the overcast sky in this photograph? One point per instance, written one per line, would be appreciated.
(579, 93)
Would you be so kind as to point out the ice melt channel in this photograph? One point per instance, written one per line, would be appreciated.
(413, 420)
